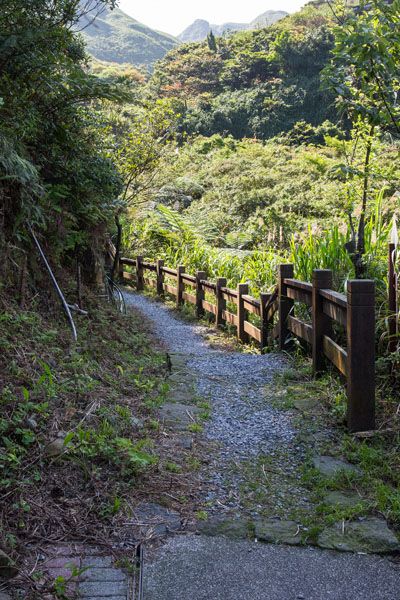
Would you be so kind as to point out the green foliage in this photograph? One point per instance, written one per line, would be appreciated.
(364, 71)
(252, 83)
(54, 171)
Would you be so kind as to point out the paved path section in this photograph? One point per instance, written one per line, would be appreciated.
(199, 568)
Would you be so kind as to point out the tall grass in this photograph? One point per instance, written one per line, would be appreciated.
(322, 251)
(166, 234)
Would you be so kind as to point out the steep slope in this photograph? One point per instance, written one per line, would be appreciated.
(114, 36)
(200, 28)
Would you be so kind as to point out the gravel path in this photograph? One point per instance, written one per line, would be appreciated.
(242, 423)
(232, 381)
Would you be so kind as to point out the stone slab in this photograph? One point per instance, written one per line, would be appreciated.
(277, 532)
(178, 416)
(368, 535)
(331, 466)
(107, 574)
(157, 518)
(220, 526)
(103, 589)
(343, 499)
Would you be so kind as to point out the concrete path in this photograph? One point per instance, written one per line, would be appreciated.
(199, 568)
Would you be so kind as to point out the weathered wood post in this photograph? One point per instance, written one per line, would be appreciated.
(160, 278)
(120, 270)
(285, 304)
(221, 302)
(242, 290)
(139, 273)
(361, 355)
(179, 286)
(392, 285)
(200, 276)
(264, 299)
(321, 323)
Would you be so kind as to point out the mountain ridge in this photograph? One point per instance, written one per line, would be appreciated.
(132, 41)
(200, 28)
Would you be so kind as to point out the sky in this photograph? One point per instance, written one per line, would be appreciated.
(173, 16)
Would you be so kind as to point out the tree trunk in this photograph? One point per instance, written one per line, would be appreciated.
(358, 263)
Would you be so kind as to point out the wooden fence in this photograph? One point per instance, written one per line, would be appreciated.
(311, 312)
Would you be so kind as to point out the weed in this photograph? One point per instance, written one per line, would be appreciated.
(195, 428)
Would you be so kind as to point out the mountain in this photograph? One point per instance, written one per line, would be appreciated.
(199, 29)
(269, 17)
(115, 37)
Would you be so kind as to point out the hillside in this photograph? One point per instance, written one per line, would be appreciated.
(253, 83)
(200, 28)
(115, 37)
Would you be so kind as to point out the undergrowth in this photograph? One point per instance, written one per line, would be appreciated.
(80, 441)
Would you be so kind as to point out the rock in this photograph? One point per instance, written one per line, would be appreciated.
(344, 499)
(370, 535)
(182, 378)
(230, 528)
(306, 404)
(31, 423)
(4, 596)
(182, 394)
(178, 416)
(8, 569)
(159, 519)
(186, 443)
(55, 448)
(137, 423)
(278, 532)
(177, 360)
(331, 466)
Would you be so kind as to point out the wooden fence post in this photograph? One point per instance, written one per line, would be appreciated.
(321, 323)
(221, 302)
(200, 275)
(392, 285)
(139, 273)
(120, 271)
(361, 355)
(285, 304)
(179, 286)
(264, 299)
(160, 278)
(242, 290)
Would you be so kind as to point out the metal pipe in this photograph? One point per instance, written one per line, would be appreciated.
(57, 287)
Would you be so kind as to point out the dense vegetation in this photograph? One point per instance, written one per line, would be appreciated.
(55, 171)
(254, 83)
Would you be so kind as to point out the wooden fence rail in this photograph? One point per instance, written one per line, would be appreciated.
(311, 312)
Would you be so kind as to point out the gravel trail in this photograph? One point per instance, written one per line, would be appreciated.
(242, 423)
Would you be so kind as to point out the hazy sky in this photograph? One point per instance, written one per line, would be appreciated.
(173, 16)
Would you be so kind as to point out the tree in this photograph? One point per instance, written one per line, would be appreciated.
(54, 170)
(365, 74)
(138, 142)
(212, 42)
